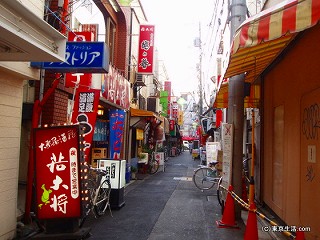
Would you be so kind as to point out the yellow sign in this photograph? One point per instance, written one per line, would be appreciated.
(139, 134)
(180, 118)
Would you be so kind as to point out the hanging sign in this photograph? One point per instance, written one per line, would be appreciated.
(116, 118)
(90, 57)
(146, 49)
(85, 113)
(57, 172)
(116, 88)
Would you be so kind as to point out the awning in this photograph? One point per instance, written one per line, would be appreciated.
(251, 101)
(138, 117)
(261, 38)
(143, 113)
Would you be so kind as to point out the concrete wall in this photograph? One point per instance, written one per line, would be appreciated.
(10, 130)
(291, 179)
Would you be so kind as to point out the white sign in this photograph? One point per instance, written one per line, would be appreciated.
(212, 151)
(227, 146)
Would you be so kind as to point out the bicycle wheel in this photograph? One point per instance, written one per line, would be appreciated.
(204, 178)
(101, 199)
(153, 166)
(221, 194)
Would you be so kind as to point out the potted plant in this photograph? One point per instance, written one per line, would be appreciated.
(134, 172)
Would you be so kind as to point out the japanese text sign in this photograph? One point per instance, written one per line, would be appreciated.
(117, 118)
(85, 113)
(91, 57)
(57, 172)
(116, 88)
(146, 49)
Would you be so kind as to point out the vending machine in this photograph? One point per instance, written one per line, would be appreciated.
(116, 169)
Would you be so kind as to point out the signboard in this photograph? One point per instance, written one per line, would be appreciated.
(227, 147)
(116, 88)
(146, 49)
(89, 57)
(117, 118)
(212, 151)
(57, 172)
(85, 112)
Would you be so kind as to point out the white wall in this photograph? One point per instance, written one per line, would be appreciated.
(10, 130)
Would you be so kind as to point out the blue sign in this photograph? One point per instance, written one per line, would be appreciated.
(117, 118)
(84, 57)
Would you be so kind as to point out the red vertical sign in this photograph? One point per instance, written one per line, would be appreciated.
(146, 49)
(85, 112)
(57, 172)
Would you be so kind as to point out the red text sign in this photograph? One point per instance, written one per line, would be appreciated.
(145, 50)
(57, 172)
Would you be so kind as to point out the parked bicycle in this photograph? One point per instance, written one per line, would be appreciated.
(205, 177)
(97, 187)
(222, 191)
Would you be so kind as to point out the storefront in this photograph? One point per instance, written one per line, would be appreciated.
(146, 134)
(271, 56)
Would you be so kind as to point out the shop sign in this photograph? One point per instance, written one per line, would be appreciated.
(85, 113)
(57, 172)
(85, 78)
(116, 88)
(146, 49)
(174, 110)
(89, 57)
(139, 134)
(116, 118)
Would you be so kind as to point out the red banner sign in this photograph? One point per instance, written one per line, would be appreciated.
(116, 88)
(146, 49)
(57, 172)
(85, 112)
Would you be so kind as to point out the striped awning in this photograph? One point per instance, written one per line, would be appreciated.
(251, 101)
(261, 38)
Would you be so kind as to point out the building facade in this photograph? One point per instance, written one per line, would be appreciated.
(25, 37)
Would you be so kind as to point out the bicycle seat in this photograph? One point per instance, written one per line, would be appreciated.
(213, 163)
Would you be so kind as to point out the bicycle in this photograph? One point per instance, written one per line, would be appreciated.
(222, 191)
(206, 177)
(98, 188)
(153, 164)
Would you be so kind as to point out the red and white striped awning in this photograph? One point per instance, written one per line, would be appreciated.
(261, 38)
(251, 101)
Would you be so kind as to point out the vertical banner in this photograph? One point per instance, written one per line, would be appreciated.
(85, 112)
(227, 147)
(57, 172)
(117, 118)
(146, 49)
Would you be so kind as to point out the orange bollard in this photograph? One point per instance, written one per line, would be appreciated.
(228, 218)
(251, 232)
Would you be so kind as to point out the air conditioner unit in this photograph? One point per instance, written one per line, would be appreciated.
(139, 80)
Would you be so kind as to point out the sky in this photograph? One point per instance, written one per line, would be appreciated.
(176, 26)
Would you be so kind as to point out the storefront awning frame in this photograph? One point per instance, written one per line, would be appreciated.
(260, 39)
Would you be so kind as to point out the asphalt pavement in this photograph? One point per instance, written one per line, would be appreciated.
(167, 206)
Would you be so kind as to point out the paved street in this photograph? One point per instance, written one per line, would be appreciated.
(166, 205)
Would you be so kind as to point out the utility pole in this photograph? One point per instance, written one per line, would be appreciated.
(238, 10)
(198, 43)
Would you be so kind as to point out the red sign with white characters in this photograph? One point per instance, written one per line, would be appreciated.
(146, 49)
(85, 112)
(57, 172)
(116, 88)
